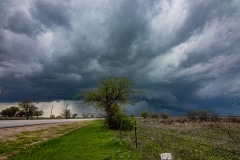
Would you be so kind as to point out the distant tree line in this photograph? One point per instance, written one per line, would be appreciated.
(163, 115)
(24, 109)
(9, 112)
(202, 115)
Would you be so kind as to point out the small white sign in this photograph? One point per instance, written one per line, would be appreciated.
(166, 156)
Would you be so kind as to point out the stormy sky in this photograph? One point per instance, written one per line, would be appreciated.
(182, 54)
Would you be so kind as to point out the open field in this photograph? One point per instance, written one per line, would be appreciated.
(90, 140)
(186, 140)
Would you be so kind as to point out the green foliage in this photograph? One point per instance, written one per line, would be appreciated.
(38, 113)
(114, 142)
(110, 93)
(125, 123)
(144, 114)
(9, 112)
(120, 121)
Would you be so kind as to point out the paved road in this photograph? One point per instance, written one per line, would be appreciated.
(20, 123)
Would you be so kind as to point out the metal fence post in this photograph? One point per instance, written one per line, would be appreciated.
(135, 128)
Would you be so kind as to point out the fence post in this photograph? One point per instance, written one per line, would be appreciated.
(135, 128)
(120, 128)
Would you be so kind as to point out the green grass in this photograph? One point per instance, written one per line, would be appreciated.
(25, 140)
(92, 142)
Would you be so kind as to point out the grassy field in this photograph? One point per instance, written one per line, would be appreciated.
(92, 142)
(186, 141)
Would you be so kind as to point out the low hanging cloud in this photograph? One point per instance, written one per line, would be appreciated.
(180, 53)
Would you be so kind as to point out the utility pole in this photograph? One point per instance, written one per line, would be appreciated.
(51, 112)
(0, 89)
(66, 115)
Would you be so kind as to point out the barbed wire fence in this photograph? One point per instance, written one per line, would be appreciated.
(150, 141)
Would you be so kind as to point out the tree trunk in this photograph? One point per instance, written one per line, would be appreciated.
(27, 116)
(112, 118)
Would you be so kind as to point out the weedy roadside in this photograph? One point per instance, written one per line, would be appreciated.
(20, 139)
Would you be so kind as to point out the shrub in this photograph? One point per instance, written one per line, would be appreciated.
(121, 122)
(114, 142)
(192, 115)
(144, 114)
(9, 112)
(164, 115)
(214, 116)
(125, 123)
(234, 119)
(203, 115)
(155, 116)
(167, 121)
(181, 120)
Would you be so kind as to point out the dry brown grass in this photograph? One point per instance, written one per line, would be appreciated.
(196, 140)
(10, 133)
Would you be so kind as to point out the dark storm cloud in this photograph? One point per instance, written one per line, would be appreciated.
(182, 54)
(51, 13)
(20, 24)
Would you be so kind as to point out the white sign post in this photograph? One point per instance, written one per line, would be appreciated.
(166, 156)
